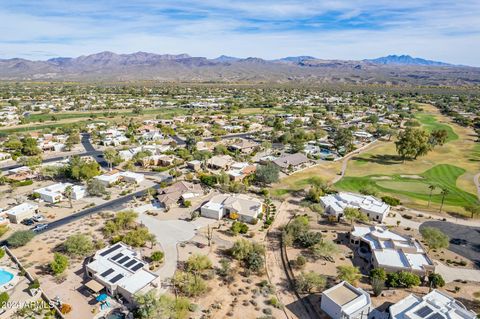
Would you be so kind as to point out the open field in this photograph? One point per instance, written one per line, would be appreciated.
(451, 166)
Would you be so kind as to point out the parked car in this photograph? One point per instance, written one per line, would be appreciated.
(40, 227)
(38, 218)
(28, 222)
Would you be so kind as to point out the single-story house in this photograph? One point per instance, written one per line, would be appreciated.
(20, 212)
(246, 208)
(179, 191)
(220, 162)
(243, 145)
(56, 192)
(344, 301)
(291, 162)
(238, 171)
(375, 209)
(113, 177)
(120, 270)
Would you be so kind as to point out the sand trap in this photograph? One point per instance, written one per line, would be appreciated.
(412, 176)
(381, 178)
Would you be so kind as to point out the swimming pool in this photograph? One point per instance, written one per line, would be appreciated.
(5, 277)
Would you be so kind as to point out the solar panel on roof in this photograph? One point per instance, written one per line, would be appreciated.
(107, 272)
(124, 259)
(116, 278)
(137, 267)
(130, 263)
(117, 256)
(423, 312)
(436, 316)
(112, 249)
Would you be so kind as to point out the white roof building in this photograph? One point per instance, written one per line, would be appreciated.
(20, 212)
(434, 305)
(121, 270)
(374, 208)
(55, 193)
(392, 251)
(127, 176)
(344, 301)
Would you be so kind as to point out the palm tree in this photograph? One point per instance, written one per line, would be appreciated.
(444, 193)
(431, 187)
(69, 194)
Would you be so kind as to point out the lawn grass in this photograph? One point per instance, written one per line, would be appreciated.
(450, 166)
(430, 123)
(442, 176)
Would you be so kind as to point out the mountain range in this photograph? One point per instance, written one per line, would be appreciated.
(109, 66)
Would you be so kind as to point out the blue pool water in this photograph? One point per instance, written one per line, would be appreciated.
(5, 277)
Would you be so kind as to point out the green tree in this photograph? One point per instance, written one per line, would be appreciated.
(436, 280)
(173, 308)
(189, 284)
(157, 256)
(412, 142)
(148, 305)
(310, 282)
(438, 137)
(267, 174)
(343, 138)
(59, 263)
(474, 210)
(325, 248)
(78, 245)
(434, 238)
(96, 188)
(403, 279)
(350, 274)
(69, 194)
(354, 215)
(29, 147)
(111, 156)
(239, 228)
(4, 297)
(198, 263)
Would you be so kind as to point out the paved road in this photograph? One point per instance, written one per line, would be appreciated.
(464, 240)
(96, 209)
(89, 151)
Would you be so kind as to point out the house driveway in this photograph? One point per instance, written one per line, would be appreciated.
(451, 274)
(169, 233)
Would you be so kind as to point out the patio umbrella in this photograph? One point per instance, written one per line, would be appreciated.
(102, 297)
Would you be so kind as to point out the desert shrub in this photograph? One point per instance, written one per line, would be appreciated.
(392, 201)
(20, 238)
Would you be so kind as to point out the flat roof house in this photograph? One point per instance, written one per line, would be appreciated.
(391, 251)
(245, 207)
(121, 271)
(375, 209)
(115, 176)
(434, 305)
(55, 193)
(20, 212)
(344, 301)
(220, 162)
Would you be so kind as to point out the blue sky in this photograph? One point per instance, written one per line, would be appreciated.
(350, 29)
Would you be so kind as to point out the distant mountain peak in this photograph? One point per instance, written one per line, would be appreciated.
(297, 59)
(405, 59)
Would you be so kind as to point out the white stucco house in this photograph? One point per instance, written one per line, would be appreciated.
(391, 251)
(56, 192)
(120, 270)
(434, 305)
(20, 212)
(247, 208)
(344, 301)
(375, 209)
